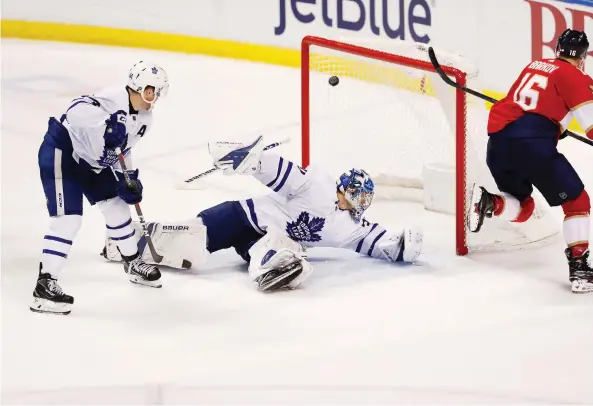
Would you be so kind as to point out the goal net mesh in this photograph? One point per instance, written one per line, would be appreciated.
(398, 121)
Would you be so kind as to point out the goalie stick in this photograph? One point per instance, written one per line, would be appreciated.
(451, 82)
(212, 170)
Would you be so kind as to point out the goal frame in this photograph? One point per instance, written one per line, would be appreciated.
(460, 115)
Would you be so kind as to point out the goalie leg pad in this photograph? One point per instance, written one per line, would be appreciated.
(182, 245)
(278, 262)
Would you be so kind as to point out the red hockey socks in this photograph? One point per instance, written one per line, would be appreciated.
(509, 208)
(577, 224)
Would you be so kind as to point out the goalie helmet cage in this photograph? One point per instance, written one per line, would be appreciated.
(381, 72)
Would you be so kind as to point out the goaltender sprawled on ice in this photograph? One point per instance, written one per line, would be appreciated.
(306, 208)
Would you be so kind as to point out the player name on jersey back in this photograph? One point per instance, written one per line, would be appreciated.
(551, 92)
(543, 66)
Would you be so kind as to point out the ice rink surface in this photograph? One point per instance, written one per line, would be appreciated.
(489, 328)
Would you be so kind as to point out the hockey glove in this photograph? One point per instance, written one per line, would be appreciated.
(403, 247)
(236, 158)
(115, 133)
(132, 193)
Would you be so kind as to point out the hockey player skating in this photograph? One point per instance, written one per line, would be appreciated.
(78, 157)
(523, 130)
(304, 209)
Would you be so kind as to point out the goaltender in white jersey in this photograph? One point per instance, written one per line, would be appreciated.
(307, 208)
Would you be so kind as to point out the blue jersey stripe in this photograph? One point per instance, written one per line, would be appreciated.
(359, 246)
(125, 237)
(281, 162)
(253, 215)
(57, 253)
(374, 242)
(284, 178)
(58, 239)
(128, 222)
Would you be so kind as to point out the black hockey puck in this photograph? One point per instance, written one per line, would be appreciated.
(334, 80)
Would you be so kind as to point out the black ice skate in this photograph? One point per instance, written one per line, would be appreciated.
(142, 273)
(581, 273)
(279, 278)
(481, 205)
(48, 296)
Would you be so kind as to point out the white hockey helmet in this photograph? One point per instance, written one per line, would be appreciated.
(144, 74)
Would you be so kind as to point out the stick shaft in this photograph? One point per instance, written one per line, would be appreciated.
(214, 169)
(451, 82)
(157, 258)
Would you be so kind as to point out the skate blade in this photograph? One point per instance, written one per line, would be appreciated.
(270, 286)
(139, 281)
(473, 218)
(580, 287)
(47, 306)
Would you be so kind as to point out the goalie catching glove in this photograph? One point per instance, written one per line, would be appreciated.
(237, 158)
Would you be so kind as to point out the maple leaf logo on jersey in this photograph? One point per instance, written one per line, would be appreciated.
(304, 229)
(109, 157)
(155, 70)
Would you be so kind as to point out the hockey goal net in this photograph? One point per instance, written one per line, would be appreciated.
(420, 139)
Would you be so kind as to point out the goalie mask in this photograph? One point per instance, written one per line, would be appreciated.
(358, 189)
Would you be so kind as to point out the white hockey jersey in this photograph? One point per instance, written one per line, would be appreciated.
(85, 122)
(305, 206)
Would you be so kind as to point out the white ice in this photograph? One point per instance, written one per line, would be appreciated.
(488, 328)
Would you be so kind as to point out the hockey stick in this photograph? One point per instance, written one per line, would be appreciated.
(157, 258)
(212, 170)
(451, 82)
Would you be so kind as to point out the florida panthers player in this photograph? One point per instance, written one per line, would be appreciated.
(304, 209)
(523, 130)
(78, 157)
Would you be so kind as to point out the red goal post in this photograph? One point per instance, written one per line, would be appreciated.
(377, 55)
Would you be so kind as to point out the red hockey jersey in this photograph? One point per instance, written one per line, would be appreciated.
(552, 88)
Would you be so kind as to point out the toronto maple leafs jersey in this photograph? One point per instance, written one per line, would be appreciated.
(305, 206)
(85, 121)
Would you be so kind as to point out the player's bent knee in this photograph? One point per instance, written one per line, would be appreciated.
(581, 206)
(65, 226)
(525, 211)
(119, 225)
(115, 211)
